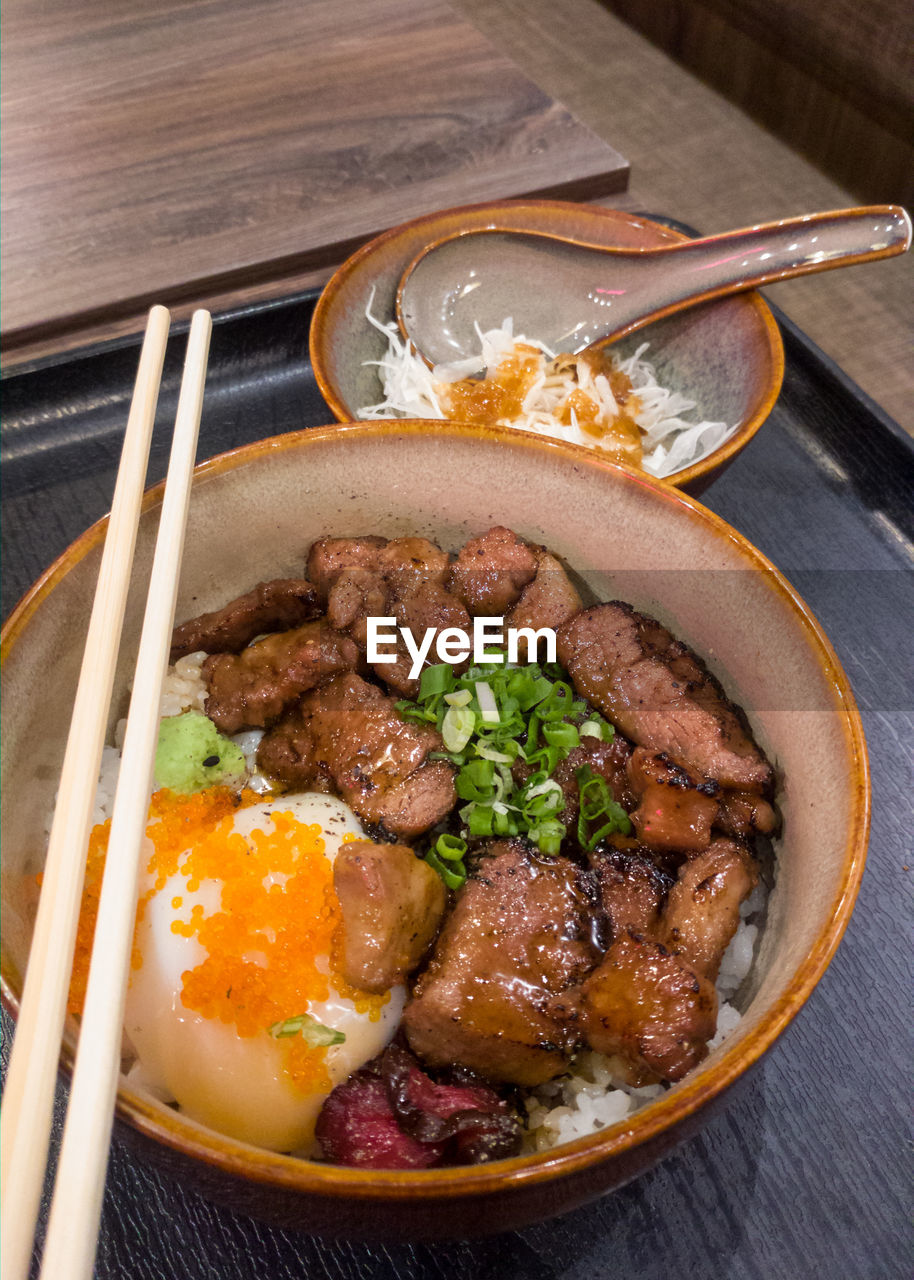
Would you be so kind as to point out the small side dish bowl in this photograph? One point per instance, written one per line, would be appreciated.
(726, 356)
(253, 514)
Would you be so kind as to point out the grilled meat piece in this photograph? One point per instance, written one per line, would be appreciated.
(652, 1001)
(409, 563)
(403, 578)
(674, 819)
(271, 606)
(548, 601)
(250, 690)
(632, 888)
(702, 910)
(608, 760)
(357, 1127)
(330, 557)
(347, 575)
(491, 571)
(645, 1006)
(659, 694)
(391, 1115)
(518, 935)
(348, 737)
(471, 1119)
(402, 564)
(357, 594)
(392, 904)
(398, 569)
(675, 810)
(742, 812)
(428, 606)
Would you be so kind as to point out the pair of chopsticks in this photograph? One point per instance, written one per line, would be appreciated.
(25, 1120)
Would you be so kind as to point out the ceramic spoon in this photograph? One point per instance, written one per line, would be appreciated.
(568, 294)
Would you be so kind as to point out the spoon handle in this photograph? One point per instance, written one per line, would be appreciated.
(772, 251)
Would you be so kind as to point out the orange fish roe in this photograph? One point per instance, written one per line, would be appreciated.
(176, 818)
(268, 945)
(92, 887)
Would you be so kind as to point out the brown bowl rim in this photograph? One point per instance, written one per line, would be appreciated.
(698, 470)
(310, 1177)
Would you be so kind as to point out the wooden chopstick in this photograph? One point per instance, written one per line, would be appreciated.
(25, 1122)
(70, 1246)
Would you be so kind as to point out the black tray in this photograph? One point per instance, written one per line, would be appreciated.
(806, 1174)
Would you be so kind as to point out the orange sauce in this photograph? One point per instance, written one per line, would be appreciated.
(619, 436)
(498, 399)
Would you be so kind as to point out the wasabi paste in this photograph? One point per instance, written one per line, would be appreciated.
(193, 754)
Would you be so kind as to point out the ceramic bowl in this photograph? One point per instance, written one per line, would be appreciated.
(624, 537)
(726, 355)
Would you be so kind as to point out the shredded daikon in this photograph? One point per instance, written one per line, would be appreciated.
(670, 441)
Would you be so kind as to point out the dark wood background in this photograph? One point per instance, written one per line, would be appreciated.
(182, 149)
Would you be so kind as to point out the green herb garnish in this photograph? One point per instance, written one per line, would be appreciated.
(489, 717)
(311, 1031)
(597, 802)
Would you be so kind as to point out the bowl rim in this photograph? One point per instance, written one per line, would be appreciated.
(309, 1177)
(770, 331)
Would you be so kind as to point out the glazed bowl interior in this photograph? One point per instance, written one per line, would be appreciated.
(254, 514)
(726, 356)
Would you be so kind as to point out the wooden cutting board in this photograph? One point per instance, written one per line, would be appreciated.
(181, 150)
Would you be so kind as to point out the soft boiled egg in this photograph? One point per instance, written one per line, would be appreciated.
(234, 944)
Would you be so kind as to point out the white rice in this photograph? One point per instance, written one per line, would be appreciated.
(184, 688)
(670, 440)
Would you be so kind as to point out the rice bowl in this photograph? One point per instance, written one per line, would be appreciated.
(821, 752)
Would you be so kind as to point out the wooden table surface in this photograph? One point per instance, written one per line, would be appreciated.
(180, 150)
(698, 158)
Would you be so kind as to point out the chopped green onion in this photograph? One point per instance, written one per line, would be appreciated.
(489, 717)
(543, 788)
(527, 688)
(481, 772)
(546, 758)
(499, 757)
(597, 802)
(558, 704)
(457, 727)
(480, 821)
(460, 698)
(434, 680)
(562, 735)
(504, 823)
(453, 875)
(487, 705)
(476, 780)
(451, 848)
(314, 1033)
(549, 836)
(409, 711)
